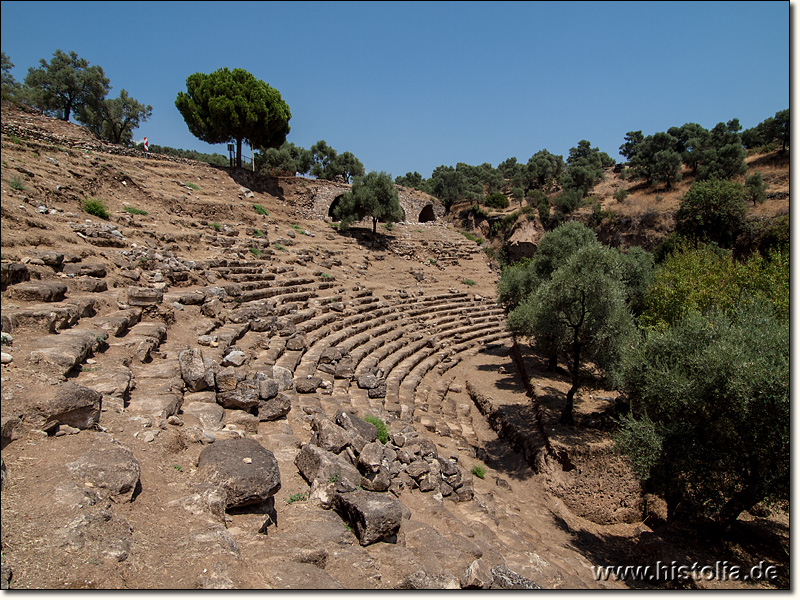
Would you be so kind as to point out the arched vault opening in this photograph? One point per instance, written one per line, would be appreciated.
(427, 215)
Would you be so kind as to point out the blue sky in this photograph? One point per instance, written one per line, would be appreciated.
(410, 86)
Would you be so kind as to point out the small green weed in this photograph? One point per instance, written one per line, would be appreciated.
(333, 478)
(15, 139)
(258, 233)
(280, 247)
(388, 226)
(474, 238)
(299, 229)
(16, 184)
(298, 497)
(256, 251)
(95, 207)
(433, 262)
(326, 276)
(216, 226)
(178, 468)
(260, 210)
(468, 282)
(479, 471)
(135, 211)
(194, 186)
(383, 433)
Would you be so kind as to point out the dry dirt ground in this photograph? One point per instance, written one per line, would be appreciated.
(552, 502)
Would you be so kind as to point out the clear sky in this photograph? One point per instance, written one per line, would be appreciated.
(410, 86)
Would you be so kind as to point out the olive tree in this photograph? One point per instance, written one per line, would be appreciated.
(114, 119)
(709, 429)
(65, 84)
(374, 196)
(580, 313)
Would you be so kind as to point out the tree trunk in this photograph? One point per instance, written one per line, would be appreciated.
(239, 153)
(374, 225)
(566, 415)
(739, 502)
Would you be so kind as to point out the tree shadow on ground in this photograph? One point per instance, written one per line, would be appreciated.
(363, 236)
(675, 545)
(255, 182)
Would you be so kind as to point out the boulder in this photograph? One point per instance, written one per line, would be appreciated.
(373, 516)
(244, 468)
(73, 405)
(245, 396)
(477, 575)
(296, 342)
(110, 468)
(371, 457)
(235, 358)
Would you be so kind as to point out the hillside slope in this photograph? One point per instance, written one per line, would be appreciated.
(150, 357)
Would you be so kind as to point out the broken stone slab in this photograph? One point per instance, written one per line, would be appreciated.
(314, 463)
(110, 468)
(296, 342)
(73, 405)
(39, 291)
(211, 416)
(245, 396)
(360, 431)
(284, 377)
(13, 273)
(274, 408)
(373, 516)
(328, 435)
(504, 578)
(244, 468)
(345, 368)
(234, 358)
(478, 575)
(194, 371)
(68, 349)
(142, 296)
(85, 269)
(92, 285)
(307, 385)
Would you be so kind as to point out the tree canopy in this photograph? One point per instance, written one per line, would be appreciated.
(115, 119)
(67, 83)
(233, 105)
(710, 426)
(374, 195)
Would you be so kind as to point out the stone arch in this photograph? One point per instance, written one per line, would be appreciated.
(333, 205)
(427, 215)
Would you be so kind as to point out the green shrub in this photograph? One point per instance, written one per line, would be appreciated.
(260, 210)
(620, 195)
(15, 139)
(383, 433)
(256, 251)
(568, 200)
(216, 226)
(479, 471)
(135, 211)
(497, 200)
(468, 282)
(258, 233)
(280, 247)
(95, 207)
